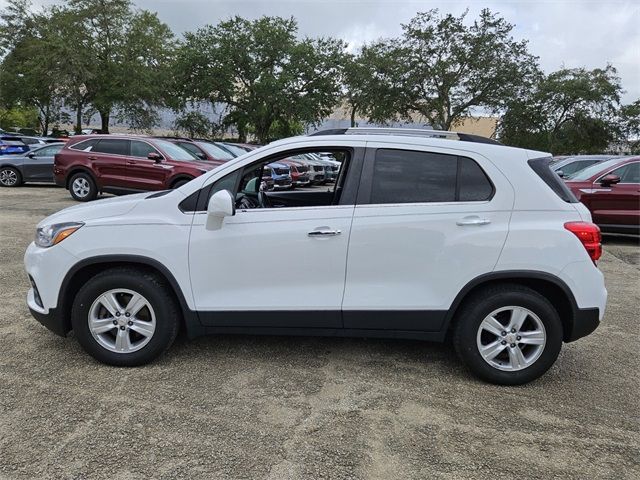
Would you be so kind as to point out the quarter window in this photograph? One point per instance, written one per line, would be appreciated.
(403, 176)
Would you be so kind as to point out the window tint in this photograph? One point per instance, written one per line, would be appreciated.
(574, 167)
(551, 178)
(215, 151)
(141, 149)
(473, 184)
(630, 173)
(85, 146)
(401, 176)
(30, 141)
(174, 151)
(48, 151)
(113, 147)
(190, 147)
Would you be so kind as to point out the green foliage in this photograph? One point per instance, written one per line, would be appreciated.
(568, 111)
(193, 124)
(18, 117)
(630, 125)
(273, 77)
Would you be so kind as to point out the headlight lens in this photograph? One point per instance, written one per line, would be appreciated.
(50, 235)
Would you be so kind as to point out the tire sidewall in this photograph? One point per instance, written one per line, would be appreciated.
(162, 304)
(93, 190)
(474, 315)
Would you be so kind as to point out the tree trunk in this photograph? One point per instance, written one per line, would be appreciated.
(353, 115)
(104, 120)
(78, 126)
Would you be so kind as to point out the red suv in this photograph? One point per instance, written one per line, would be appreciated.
(90, 164)
(611, 191)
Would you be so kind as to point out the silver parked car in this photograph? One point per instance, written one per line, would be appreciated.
(34, 166)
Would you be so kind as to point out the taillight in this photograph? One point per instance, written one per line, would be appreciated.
(589, 235)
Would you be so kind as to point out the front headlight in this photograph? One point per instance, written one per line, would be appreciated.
(50, 235)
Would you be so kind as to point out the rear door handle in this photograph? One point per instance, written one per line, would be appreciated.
(92, 158)
(472, 220)
(323, 232)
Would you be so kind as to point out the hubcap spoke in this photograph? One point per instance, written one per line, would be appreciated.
(518, 316)
(101, 325)
(491, 351)
(109, 301)
(517, 358)
(534, 337)
(136, 303)
(145, 329)
(123, 343)
(491, 324)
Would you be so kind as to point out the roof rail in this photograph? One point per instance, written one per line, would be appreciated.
(409, 132)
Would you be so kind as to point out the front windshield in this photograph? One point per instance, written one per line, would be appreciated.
(215, 151)
(175, 152)
(594, 169)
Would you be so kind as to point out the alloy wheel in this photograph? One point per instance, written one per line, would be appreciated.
(122, 321)
(8, 177)
(81, 187)
(511, 338)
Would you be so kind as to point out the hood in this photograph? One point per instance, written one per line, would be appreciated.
(85, 212)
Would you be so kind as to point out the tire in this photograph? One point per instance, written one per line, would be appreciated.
(180, 183)
(10, 177)
(120, 344)
(82, 187)
(474, 329)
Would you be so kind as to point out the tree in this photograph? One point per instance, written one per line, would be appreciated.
(568, 111)
(130, 54)
(194, 124)
(630, 124)
(274, 78)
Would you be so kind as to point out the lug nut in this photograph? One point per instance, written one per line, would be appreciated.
(115, 322)
(131, 323)
(122, 327)
(127, 314)
(513, 330)
(503, 342)
(117, 314)
(518, 337)
(513, 345)
(503, 333)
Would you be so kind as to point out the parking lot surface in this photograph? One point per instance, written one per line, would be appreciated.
(287, 407)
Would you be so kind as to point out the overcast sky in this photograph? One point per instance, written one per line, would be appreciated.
(570, 33)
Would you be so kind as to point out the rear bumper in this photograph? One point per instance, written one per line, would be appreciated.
(585, 321)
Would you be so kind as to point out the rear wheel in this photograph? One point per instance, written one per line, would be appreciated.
(180, 183)
(125, 317)
(82, 187)
(508, 334)
(10, 177)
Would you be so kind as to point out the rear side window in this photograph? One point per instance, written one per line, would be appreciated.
(85, 146)
(403, 176)
(113, 147)
(551, 178)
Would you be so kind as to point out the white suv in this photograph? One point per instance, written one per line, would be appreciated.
(425, 235)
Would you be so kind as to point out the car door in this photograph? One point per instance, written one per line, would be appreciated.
(274, 267)
(426, 222)
(108, 159)
(38, 167)
(617, 204)
(145, 173)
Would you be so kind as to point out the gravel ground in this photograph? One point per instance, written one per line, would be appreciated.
(285, 408)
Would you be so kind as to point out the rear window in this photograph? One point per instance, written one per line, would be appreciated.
(112, 147)
(12, 141)
(542, 168)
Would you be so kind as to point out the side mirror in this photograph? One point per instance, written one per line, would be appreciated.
(609, 180)
(201, 156)
(156, 157)
(221, 204)
(31, 155)
(560, 173)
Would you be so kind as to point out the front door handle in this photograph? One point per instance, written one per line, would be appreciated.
(131, 162)
(472, 220)
(324, 232)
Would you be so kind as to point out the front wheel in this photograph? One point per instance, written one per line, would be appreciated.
(125, 317)
(508, 334)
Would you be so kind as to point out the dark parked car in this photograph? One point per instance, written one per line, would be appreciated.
(204, 150)
(611, 191)
(88, 165)
(571, 165)
(12, 145)
(35, 166)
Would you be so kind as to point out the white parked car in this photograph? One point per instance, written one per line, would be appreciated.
(419, 237)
